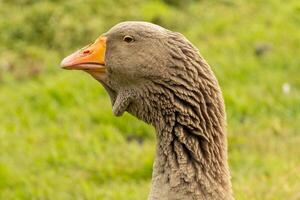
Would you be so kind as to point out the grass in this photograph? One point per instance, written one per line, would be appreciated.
(59, 139)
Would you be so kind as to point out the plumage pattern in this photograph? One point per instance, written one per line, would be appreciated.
(161, 78)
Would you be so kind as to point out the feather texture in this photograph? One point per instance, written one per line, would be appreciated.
(162, 79)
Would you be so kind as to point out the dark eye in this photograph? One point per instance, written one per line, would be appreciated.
(128, 38)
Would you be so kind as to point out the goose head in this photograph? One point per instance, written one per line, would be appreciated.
(126, 59)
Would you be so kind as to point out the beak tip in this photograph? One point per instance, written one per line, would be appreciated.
(65, 63)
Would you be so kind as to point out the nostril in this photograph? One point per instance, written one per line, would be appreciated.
(86, 52)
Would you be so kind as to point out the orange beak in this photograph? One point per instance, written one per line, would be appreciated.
(89, 58)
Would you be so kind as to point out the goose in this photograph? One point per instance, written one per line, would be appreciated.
(159, 77)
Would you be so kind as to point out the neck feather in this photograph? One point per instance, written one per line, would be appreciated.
(187, 166)
(191, 155)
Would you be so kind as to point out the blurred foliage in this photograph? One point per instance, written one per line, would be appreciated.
(59, 139)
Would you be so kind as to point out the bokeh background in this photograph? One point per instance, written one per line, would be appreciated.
(59, 139)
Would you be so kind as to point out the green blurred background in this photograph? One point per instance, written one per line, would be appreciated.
(59, 139)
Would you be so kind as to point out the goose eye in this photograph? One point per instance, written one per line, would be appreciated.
(128, 39)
